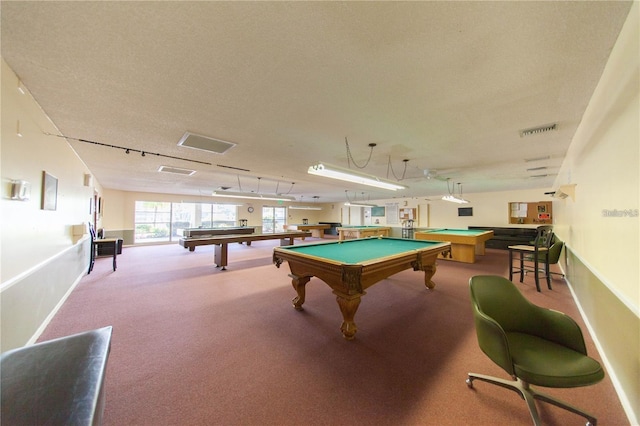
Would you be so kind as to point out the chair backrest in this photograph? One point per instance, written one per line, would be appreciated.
(555, 250)
(499, 299)
(92, 232)
(544, 236)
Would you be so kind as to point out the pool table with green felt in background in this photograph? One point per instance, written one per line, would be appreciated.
(350, 267)
(465, 243)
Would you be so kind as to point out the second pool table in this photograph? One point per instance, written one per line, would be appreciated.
(317, 229)
(350, 267)
(465, 243)
(345, 232)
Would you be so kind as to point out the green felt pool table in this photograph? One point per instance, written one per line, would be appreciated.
(350, 267)
(465, 243)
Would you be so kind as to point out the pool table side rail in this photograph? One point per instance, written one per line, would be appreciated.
(240, 238)
(453, 238)
(438, 246)
(341, 276)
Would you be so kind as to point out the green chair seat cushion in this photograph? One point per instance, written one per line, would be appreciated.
(545, 363)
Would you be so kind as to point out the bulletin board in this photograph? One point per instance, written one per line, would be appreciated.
(527, 213)
(408, 214)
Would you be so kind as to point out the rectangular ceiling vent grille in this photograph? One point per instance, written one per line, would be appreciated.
(538, 130)
(205, 143)
(176, 170)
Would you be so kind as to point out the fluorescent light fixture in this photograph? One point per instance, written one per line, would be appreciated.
(305, 208)
(253, 196)
(356, 204)
(454, 199)
(335, 172)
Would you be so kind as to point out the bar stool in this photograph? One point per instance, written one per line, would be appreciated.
(539, 250)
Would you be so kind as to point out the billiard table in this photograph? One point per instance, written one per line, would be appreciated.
(345, 232)
(317, 230)
(350, 267)
(465, 243)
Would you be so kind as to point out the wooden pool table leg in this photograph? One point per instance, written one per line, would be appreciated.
(348, 306)
(429, 269)
(429, 272)
(299, 284)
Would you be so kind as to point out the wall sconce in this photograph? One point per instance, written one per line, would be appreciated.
(88, 180)
(20, 190)
(20, 88)
(80, 230)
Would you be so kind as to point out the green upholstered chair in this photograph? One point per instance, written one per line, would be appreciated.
(534, 345)
(554, 254)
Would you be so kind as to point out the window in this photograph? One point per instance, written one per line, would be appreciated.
(163, 222)
(152, 221)
(273, 219)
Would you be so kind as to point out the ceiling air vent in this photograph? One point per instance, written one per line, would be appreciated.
(538, 130)
(176, 170)
(205, 143)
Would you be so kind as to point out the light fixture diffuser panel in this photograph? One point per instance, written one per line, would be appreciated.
(176, 170)
(205, 143)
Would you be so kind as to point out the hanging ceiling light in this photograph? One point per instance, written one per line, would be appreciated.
(311, 207)
(348, 175)
(452, 197)
(257, 195)
(359, 204)
(356, 203)
(305, 208)
(253, 196)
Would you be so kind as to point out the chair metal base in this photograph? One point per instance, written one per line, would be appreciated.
(530, 395)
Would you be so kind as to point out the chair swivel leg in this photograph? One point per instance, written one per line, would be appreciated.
(591, 420)
(530, 395)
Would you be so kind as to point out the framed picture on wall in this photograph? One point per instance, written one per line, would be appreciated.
(49, 191)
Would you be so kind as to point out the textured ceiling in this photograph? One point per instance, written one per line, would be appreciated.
(446, 85)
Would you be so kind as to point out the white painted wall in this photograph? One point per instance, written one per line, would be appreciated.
(604, 163)
(31, 235)
(489, 209)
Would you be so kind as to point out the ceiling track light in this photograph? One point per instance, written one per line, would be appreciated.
(128, 150)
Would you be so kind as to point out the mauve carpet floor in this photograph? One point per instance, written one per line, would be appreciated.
(194, 345)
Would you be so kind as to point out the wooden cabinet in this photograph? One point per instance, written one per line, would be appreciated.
(531, 213)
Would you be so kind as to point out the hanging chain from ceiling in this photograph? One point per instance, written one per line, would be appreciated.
(350, 157)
